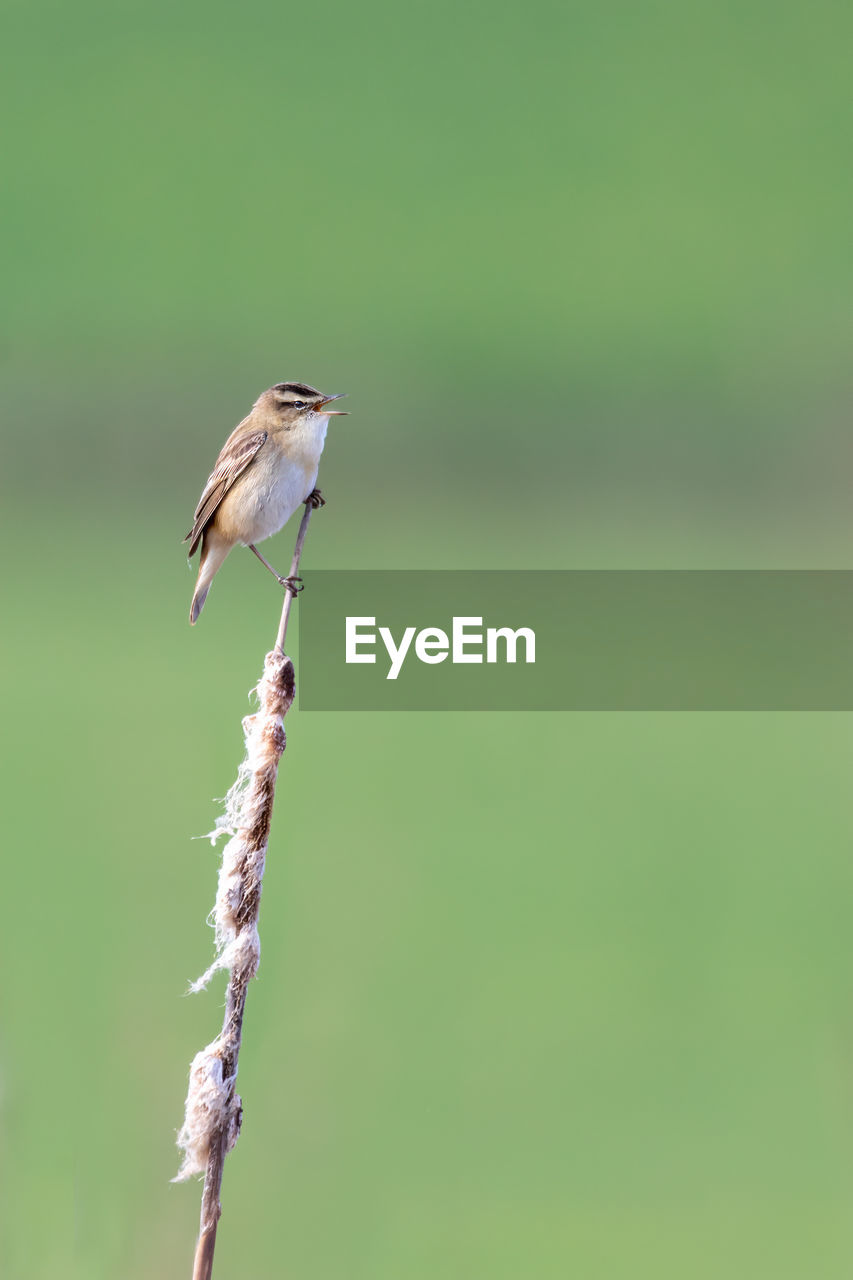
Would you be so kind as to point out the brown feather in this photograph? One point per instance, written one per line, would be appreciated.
(238, 452)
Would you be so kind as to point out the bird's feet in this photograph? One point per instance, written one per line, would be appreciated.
(289, 584)
(315, 499)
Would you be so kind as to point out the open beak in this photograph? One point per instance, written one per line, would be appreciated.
(332, 413)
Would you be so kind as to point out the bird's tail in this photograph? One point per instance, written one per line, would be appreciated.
(213, 552)
(198, 603)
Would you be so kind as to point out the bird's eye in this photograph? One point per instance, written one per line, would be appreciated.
(297, 404)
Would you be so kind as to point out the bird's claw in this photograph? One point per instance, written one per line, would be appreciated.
(315, 499)
(289, 584)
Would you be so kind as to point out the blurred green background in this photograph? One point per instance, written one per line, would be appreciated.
(540, 995)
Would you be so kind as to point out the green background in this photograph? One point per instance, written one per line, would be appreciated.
(540, 995)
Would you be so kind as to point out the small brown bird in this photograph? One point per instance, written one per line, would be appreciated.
(267, 468)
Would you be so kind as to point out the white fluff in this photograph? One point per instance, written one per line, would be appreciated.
(211, 1101)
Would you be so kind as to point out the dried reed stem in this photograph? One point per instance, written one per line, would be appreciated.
(294, 570)
(213, 1107)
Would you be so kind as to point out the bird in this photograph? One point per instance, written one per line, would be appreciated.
(267, 468)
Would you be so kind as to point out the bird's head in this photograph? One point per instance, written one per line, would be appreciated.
(288, 403)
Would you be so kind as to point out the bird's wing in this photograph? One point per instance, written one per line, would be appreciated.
(237, 452)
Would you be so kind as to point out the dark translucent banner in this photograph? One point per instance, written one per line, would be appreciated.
(576, 640)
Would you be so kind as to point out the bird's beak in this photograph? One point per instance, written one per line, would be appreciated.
(332, 413)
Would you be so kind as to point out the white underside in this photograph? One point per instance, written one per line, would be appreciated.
(281, 484)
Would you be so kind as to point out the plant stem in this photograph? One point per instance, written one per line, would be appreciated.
(214, 1109)
(294, 570)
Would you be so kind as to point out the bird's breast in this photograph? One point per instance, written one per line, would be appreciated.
(279, 480)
